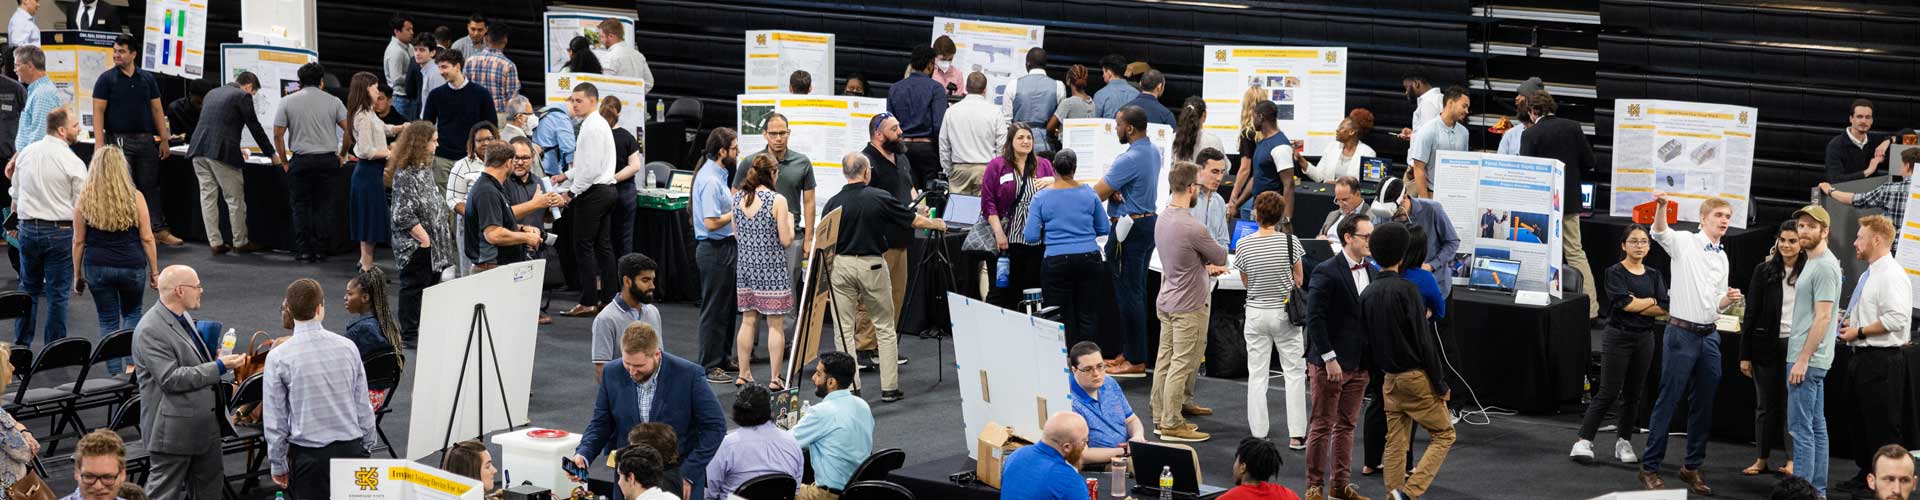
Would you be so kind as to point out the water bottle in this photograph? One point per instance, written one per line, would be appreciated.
(227, 341)
(1117, 478)
(1166, 483)
(1000, 275)
(280, 495)
(660, 109)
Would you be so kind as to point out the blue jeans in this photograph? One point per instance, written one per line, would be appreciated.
(1130, 285)
(407, 106)
(117, 293)
(1694, 359)
(1807, 425)
(46, 273)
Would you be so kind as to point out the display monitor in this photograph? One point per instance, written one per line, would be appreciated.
(1241, 230)
(1500, 275)
(680, 181)
(1374, 169)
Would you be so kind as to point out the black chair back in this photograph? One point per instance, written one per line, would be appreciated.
(251, 390)
(774, 486)
(21, 357)
(70, 352)
(115, 345)
(15, 305)
(878, 465)
(876, 490)
(383, 370)
(128, 416)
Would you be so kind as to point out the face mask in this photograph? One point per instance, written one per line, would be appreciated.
(857, 93)
(944, 65)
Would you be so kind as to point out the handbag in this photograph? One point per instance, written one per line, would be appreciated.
(257, 350)
(1296, 306)
(30, 487)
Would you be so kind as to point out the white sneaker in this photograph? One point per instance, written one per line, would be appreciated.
(1582, 451)
(1623, 450)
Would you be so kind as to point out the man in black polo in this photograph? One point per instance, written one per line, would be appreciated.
(493, 238)
(872, 221)
(127, 112)
(891, 171)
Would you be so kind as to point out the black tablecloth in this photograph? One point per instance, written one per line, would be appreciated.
(929, 480)
(667, 237)
(269, 213)
(1520, 357)
(926, 298)
(1312, 201)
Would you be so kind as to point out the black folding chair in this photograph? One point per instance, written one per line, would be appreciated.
(775, 486)
(877, 466)
(70, 354)
(21, 359)
(383, 376)
(248, 440)
(127, 416)
(104, 388)
(876, 490)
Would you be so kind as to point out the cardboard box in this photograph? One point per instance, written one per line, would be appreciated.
(996, 442)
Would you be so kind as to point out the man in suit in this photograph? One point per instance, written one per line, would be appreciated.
(1336, 359)
(94, 15)
(1558, 138)
(1346, 201)
(178, 379)
(653, 386)
(217, 158)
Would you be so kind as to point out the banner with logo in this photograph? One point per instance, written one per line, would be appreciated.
(1504, 207)
(279, 71)
(1693, 151)
(1096, 143)
(1307, 84)
(370, 479)
(176, 38)
(773, 56)
(631, 91)
(75, 60)
(997, 49)
(562, 24)
(825, 128)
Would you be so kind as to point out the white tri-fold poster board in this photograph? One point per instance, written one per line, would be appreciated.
(1906, 245)
(998, 50)
(560, 25)
(1012, 368)
(1307, 84)
(176, 38)
(825, 128)
(1692, 151)
(279, 71)
(773, 55)
(631, 91)
(1505, 207)
(1095, 144)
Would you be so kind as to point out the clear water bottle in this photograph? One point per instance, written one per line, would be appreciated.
(1166, 483)
(660, 109)
(227, 341)
(1117, 478)
(1000, 278)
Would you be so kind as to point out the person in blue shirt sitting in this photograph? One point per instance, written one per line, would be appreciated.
(1050, 469)
(838, 431)
(1111, 422)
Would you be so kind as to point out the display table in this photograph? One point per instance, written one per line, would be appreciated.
(1226, 348)
(667, 237)
(929, 480)
(1312, 201)
(537, 458)
(1520, 357)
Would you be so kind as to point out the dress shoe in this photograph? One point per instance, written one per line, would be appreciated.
(1187, 433)
(1348, 492)
(1695, 482)
(221, 249)
(167, 238)
(1314, 493)
(249, 247)
(1127, 370)
(1194, 410)
(1650, 480)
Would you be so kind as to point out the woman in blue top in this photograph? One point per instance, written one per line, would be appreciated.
(1067, 216)
(113, 245)
(1429, 285)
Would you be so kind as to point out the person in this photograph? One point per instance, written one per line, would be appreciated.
(1134, 175)
(1075, 105)
(755, 448)
(800, 82)
(1402, 344)
(1810, 348)
(580, 57)
(920, 104)
(30, 64)
(1336, 360)
(471, 460)
(1269, 266)
(763, 279)
(316, 407)
(1208, 205)
(1448, 132)
(627, 163)
(184, 112)
(454, 108)
(1428, 101)
(553, 132)
(443, 38)
(635, 304)
(716, 254)
(1256, 463)
(1272, 169)
(1189, 132)
(115, 250)
(476, 38)
(1050, 469)
(532, 197)
(180, 374)
(639, 393)
(1562, 139)
(856, 85)
(892, 171)
(1342, 157)
(1442, 242)
(423, 243)
(18, 448)
(461, 177)
(1875, 329)
(1117, 92)
(794, 181)
(95, 15)
(518, 112)
(492, 236)
(47, 179)
(1510, 138)
(1034, 98)
(1636, 298)
(837, 432)
(99, 466)
(127, 111)
(641, 474)
(22, 29)
(394, 62)
(1847, 156)
(372, 329)
(952, 80)
(589, 185)
(1892, 477)
(367, 209)
(973, 130)
(1691, 354)
(304, 127)
(423, 75)
(217, 159)
(1248, 137)
(623, 59)
(489, 67)
(1067, 218)
(1890, 197)
(1764, 330)
(661, 439)
(1793, 488)
(1347, 202)
(1110, 419)
(1189, 258)
(871, 221)
(1011, 181)
(1152, 85)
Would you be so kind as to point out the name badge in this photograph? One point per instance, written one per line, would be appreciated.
(1006, 177)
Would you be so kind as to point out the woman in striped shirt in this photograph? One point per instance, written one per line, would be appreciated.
(1269, 265)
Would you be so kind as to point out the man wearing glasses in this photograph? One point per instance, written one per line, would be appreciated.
(99, 466)
(1111, 423)
(793, 179)
(178, 377)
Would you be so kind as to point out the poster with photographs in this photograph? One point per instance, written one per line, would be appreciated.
(1096, 144)
(1504, 208)
(825, 128)
(632, 93)
(998, 50)
(773, 56)
(279, 71)
(561, 25)
(1308, 86)
(1692, 151)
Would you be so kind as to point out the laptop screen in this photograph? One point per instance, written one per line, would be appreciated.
(1241, 230)
(680, 180)
(961, 210)
(1373, 169)
(1495, 274)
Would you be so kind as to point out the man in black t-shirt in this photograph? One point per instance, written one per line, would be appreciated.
(493, 238)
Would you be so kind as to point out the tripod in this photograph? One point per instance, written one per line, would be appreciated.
(478, 328)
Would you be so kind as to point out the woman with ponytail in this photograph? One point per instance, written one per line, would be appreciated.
(1189, 131)
(372, 329)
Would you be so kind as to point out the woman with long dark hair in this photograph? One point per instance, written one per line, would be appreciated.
(367, 206)
(580, 57)
(763, 228)
(1007, 188)
(1189, 131)
(372, 328)
(1636, 297)
(1763, 343)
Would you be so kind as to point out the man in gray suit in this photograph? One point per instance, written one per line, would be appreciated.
(1346, 203)
(217, 158)
(178, 378)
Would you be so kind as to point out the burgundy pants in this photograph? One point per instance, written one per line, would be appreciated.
(1336, 409)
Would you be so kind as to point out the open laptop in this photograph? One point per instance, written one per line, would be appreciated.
(680, 181)
(1374, 169)
(1495, 275)
(962, 211)
(1149, 458)
(1241, 230)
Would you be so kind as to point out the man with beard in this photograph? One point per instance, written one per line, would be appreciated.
(874, 226)
(656, 387)
(886, 152)
(712, 206)
(1131, 189)
(1049, 469)
(838, 432)
(634, 305)
(1892, 476)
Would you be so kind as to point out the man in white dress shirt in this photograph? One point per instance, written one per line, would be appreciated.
(1699, 292)
(622, 58)
(22, 30)
(590, 185)
(970, 136)
(47, 178)
(1874, 329)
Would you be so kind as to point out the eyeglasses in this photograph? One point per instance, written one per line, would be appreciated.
(1363, 236)
(1638, 242)
(98, 478)
(1088, 368)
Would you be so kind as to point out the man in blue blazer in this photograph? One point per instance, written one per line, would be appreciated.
(653, 386)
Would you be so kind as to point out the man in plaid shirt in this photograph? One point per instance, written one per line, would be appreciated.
(489, 67)
(316, 406)
(1891, 196)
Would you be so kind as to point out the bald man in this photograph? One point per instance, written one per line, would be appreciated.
(178, 378)
(1051, 468)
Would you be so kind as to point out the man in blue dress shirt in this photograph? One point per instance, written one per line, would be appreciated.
(838, 432)
(712, 206)
(1050, 469)
(1131, 188)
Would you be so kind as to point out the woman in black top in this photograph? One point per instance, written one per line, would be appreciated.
(1763, 337)
(627, 163)
(580, 57)
(1637, 295)
(113, 246)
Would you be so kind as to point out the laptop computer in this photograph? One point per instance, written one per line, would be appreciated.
(1149, 458)
(1495, 275)
(1374, 169)
(680, 181)
(962, 211)
(1241, 230)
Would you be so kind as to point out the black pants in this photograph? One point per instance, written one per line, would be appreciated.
(1770, 399)
(1024, 263)
(719, 306)
(414, 280)
(924, 158)
(1876, 379)
(308, 467)
(623, 207)
(591, 245)
(310, 180)
(1625, 357)
(1073, 283)
(143, 159)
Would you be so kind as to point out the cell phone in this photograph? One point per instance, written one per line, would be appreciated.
(566, 464)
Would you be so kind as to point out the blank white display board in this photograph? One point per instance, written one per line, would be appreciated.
(1012, 366)
(511, 294)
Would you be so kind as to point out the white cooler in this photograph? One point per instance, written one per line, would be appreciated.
(529, 459)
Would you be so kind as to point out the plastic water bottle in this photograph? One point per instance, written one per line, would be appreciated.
(660, 109)
(280, 495)
(1117, 478)
(1166, 483)
(227, 341)
(1000, 277)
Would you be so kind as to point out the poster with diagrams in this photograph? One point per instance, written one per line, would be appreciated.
(1692, 151)
(998, 50)
(825, 128)
(176, 38)
(279, 71)
(1504, 208)
(562, 24)
(1097, 144)
(1907, 247)
(773, 56)
(75, 60)
(1307, 84)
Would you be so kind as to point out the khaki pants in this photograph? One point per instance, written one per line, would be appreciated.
(811, 492)
(863, 326)
(1576, 260)
(1183, 337)
(441, 168)
(965, 178)
(1410, 400)
(865, 280)
(218, 181)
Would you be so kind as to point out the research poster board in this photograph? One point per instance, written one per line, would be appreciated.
(631, 91)
(1012, 368)
(390, 479)
(997, 49)
(1693, 151)
(561, 25)
(1907, 247)
(1307, 84)
(176, 38)
(1096, 144)
(1504, 207)
(75, 60)
(279, 72)
(773, 56)
(510, 295)
(825, 128)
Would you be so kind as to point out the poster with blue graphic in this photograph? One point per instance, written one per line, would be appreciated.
(1505, 208)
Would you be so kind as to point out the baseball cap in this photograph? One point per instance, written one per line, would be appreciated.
(1527, 88)
(1819, 213)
